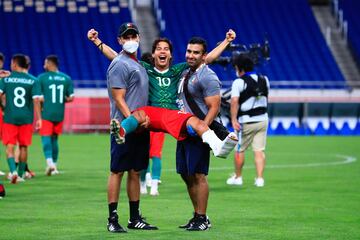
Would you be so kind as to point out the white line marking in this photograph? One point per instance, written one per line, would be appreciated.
(344, 160)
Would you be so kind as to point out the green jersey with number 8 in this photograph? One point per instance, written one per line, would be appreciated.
(55, 87)
(20, 89)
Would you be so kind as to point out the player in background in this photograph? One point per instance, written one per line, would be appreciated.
(22, 98)
(163, 83)
(28, 173)
(57, 89)
(3, 74)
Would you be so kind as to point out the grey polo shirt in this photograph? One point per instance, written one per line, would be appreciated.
(126, 73)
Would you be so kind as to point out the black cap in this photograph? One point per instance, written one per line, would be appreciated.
(126, 28)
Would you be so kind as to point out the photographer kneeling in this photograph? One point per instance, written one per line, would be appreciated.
(249, 95)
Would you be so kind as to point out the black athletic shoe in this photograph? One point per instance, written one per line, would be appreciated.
(191, 221)
(140, 224)
(188, 224)
(114, 226)
(200, 224)
(2, 191)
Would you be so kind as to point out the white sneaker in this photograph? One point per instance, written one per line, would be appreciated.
(259, 182)
(154, 187)
(227, 145)
(2, 173)
(233, 180)
(143, 189)
(148, 179)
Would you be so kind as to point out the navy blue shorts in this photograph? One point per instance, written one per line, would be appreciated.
(133, 154)
(192, 156)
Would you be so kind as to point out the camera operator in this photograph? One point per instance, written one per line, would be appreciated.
(249, 94)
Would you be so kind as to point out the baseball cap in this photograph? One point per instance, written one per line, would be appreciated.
(127, 27)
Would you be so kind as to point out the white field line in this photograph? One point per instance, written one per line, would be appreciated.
(344, 159)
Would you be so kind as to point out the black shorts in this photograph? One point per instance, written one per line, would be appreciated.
(133, 154)
(192, 156)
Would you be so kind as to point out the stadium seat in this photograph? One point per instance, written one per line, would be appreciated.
(298, 50)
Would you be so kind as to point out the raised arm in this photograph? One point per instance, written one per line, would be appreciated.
(93, 36)
(216, 52)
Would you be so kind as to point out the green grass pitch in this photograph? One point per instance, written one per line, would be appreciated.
(312, 191)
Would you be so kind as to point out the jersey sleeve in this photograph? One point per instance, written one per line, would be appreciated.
(36, 89)
(70, 88)
(2, 85)
(237, 87)
(118, 75)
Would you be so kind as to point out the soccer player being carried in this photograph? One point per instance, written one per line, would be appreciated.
(22, 98)
(163, 86)
(57, 89)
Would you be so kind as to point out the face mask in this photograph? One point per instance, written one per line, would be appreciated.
(131, 46)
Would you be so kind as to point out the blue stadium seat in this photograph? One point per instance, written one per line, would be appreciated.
(298, 49)
(63, 33)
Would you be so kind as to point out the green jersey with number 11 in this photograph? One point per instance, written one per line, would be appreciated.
(163, 86)
(55, 86)
(20, 88)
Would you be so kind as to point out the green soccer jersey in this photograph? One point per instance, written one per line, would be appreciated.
(55, 86)
(20, 89)
(163, 86)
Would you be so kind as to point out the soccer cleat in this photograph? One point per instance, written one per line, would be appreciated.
(2, 173)
(32, 174)
(200, 223)
(55, 172)
(114, 226)
(2, 190)
(20, 179)
(27, 175)
(227, 145)
(13, 177)
(259, 182)
(143, 189)
(49, 170)
(233, 180)
(148, 179)
(154, 192)
(140, 224)
(117, 131)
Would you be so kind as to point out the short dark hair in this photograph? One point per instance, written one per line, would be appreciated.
(199, 40)
(20, 60)
(244, 63)
(156, 42)
(2, 57)
(147, 57)
(54, 59)
(28, 61)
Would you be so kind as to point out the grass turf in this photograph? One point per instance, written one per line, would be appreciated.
(310, 193)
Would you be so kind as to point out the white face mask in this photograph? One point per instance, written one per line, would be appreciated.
(131, 46)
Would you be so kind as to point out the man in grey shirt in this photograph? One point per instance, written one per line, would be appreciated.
(127, 87)
(192, 155)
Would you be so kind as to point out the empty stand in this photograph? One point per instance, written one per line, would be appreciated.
(298, 49)
(38, 28)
